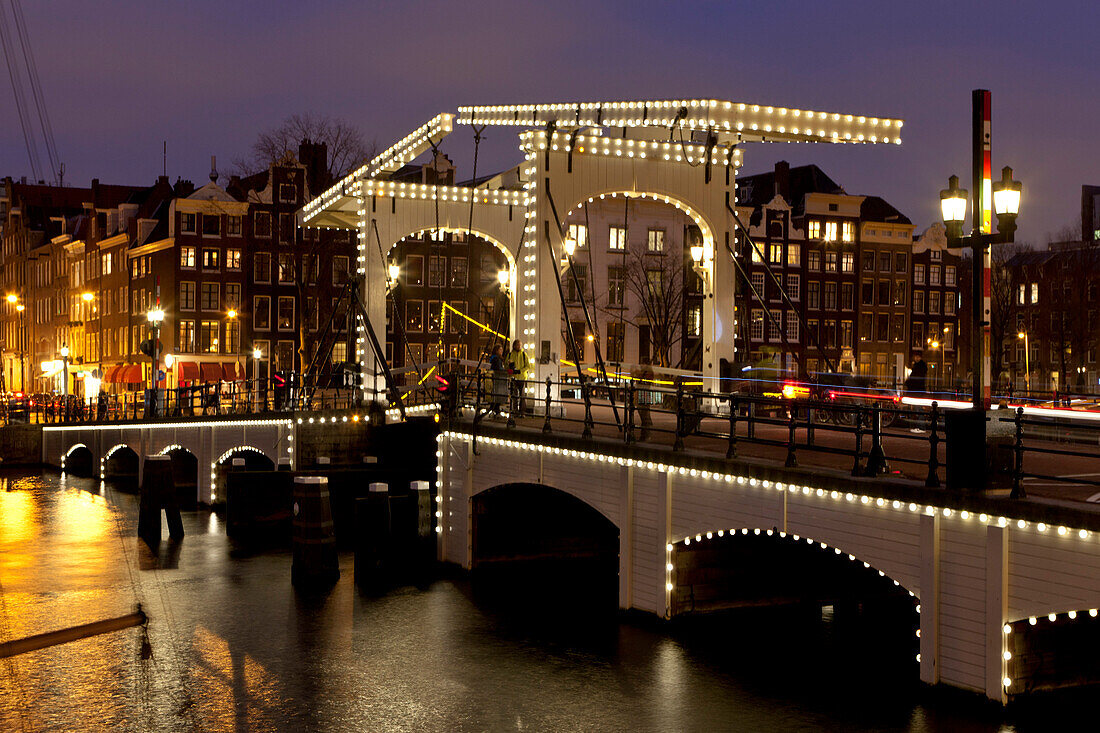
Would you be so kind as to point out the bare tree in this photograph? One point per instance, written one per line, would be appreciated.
(655, 285)
(347, 147)
(1002, 330)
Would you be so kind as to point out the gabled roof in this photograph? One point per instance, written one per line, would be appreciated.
(875, 208)
(758, 189)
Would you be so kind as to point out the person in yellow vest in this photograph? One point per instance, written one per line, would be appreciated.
(518, 366)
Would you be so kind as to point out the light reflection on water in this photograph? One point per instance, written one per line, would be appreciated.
(236, 648)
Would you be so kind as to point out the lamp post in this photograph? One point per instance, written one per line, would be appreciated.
(256, 354)
(64, 370)
(88, 297)
(22, 348)
(155, 317)
(937, 345)
(1027, 361)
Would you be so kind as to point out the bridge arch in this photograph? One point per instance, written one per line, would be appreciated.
(509, 255)
(817, 559)
(119, 461)
(77, 460)
(185, 473)
(546, 542)
(254, 457)
(654, 194)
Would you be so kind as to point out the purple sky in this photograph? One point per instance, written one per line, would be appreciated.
(121, 76)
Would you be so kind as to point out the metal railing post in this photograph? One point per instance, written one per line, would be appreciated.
(933, 479)
(628, 432)
(876, 461)
(588, 422)
(856, 468)
(792, 426)
(1018, 449)
(546, 424)
(751, 434)
(678, 443)
(513, 403)
(731, 446)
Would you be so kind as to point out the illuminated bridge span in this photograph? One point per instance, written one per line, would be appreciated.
(995, 582)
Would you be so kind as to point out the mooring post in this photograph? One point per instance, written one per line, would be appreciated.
(546, 425)
(933, 480)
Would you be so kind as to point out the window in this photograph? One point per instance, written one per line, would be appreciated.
(830, 231)
(949, 275)
(233, 225)
(288, 193)
(918, 301)
(655, 242)
(758, 284)
(934, 302)
(1034, 293)
(847, 262)
(884, 292)
(187, 257)
(848, 231)
(233, 259)
(187, 296)
(813, 229)
(185, 341)
(830, 296)
(456, 323)
(208, 337)
(846, 334)
(756, 325)
(775, 254)
(794, 255)
(313, 315)
(108, 258)
(187, 223)
(437, 267)
(209, 297)
(211, 225)
(576, 283)
(934, 275)
(209, 258)
(830, 262)
(949, 304)
(286, 228)
(261, 225)
(616, 288)
(794, 286)
(579, 234)
(435, 315)
(757, 258)
(458, 272)
(867, 293)
(918, 274)
(135, 268)
(286, 313)
(868, 261)
(340, 269)
(900, 262)
(847, 296)
(884, 259)
(414, 270)
(286, 267)
(792, 328)
(284, 355)
(232, 296)
(948, 338)
(232, 337)
(774, 322)
(897, 328)
(261, 312)
(899, 292)
(577, 330)
(813, 262)
(813, 294)
(866, 326)
(615, 339)
(828, 335)
(616, 237)
(414, 316)
(261, 267)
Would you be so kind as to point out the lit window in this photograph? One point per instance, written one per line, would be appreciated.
(830, 231)
(813, 229)
(848, 232)
(617, 237)
(655, 240)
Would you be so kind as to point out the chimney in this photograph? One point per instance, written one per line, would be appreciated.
(314, 156)
(783, 180)
(213, 169)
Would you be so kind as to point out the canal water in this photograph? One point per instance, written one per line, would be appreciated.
(236, 648)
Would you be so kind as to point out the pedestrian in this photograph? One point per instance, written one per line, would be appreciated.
(518, 365)
(499, 388)
(918, 375)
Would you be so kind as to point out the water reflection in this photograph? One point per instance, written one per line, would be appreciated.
(236, 648)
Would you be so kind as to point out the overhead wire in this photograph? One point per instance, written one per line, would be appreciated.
(17, 91)
(36, 89)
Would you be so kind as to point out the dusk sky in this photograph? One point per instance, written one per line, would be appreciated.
(121, 76)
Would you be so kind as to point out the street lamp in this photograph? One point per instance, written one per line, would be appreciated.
(394, 271)
(1027, 361)
(19, 307)
(504, 276)
(256, 354)
(155, 318)
(953, 201)
(64, 370)
(935, 345)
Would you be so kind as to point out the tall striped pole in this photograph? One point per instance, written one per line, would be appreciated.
(983, 225)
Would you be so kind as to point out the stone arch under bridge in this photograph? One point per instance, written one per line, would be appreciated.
(685, 150)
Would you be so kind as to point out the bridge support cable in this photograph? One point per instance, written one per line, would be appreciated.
(56, 168)
(379, 352)
(584, 306)
(17, 92)
(404, 336)
(779, 286)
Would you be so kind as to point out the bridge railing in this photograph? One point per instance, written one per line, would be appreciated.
(1027, 453)
(872, 435)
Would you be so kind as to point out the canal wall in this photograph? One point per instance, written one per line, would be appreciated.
(20, 445)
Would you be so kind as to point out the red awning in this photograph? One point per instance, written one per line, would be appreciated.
(189, 370)
(130, 374)
(210, 372)
(229, 372)
(111, 375)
